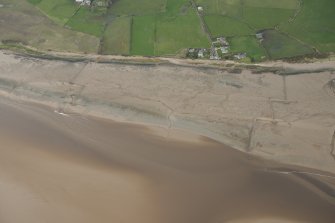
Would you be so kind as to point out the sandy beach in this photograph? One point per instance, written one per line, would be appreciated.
(286, 118)
(109, 142)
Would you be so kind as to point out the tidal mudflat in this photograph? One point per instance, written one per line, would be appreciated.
(56, 168)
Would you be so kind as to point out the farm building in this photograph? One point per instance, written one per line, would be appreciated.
(220, 44)
(201, 53)
(224, 49)
(102, 3)
(196, 53)
(222, 40)
(83, 2)
(240, 56)
(259, 35)
(200, 9)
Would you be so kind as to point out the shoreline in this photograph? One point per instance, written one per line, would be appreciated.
(279, 67)
(75, 89)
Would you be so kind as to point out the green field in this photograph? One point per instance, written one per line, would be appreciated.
(227, 26)
(176, 7)
(34, 2)
(262, 18)
(88, 21)
(180, 32)
(60, 11)
(315, 24)
(279, 46)
(143, 35)
(168, 27)
(279, 4)
(138, 7)
(116, 39)
(231, 8)
(249, 45)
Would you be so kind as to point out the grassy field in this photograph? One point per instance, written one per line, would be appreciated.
(116, 39)
(257, 14)
(315, 24)
(176, 33)
(138, 7)
(262, 18)
(143, 35)
(279, 45)
(249, 45)
(231, 8)
(227, 26)
(176, 7)
(90, 21)
(34, 2)
(282, 4)
(167, 27)
(59, 11)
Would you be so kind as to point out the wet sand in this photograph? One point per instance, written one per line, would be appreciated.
(78, 168)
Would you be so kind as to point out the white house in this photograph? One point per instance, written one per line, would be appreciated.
(83, 2)
(240, 56)
(201, 53)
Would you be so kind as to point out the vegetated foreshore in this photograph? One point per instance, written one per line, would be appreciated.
(299, 65)
(264, 110)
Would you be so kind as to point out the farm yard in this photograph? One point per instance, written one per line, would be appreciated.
(287, 28)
